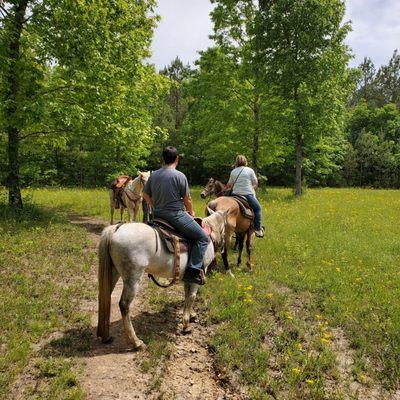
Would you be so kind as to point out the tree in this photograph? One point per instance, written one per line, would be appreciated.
(235, 31)
(75, 71)
(304, 55)
(366, 84)
(388, 81)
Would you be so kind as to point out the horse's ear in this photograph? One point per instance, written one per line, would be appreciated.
(210, 211)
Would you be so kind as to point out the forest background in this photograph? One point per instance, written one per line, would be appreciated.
(80, 103)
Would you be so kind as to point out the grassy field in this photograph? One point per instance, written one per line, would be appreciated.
(324, 289)
(44, 266)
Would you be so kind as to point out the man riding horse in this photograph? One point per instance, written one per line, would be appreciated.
(167, 193)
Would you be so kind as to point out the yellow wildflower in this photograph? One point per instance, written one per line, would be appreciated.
(324, 341)
(310, 381)
(296, 371)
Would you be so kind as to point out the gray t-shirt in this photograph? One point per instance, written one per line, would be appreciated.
(167, 187)
(244, 183)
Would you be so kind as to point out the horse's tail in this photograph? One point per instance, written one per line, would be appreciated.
(105, 288)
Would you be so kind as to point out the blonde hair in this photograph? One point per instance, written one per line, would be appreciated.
(241, 161)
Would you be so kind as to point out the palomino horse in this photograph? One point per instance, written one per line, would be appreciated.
(213, 186)
(130, 250)
(131, 196)
(235, 223)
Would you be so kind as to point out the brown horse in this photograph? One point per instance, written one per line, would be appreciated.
(235, 223)
(213, 187)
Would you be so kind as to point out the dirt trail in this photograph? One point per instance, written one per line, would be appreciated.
(115, 371)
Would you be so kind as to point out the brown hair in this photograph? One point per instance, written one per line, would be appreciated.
(241, 161)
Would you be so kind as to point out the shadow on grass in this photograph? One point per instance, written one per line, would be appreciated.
(92, 225)
(149, 326)
(30, 216)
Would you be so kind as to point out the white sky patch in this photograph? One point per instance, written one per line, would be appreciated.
(185, 26)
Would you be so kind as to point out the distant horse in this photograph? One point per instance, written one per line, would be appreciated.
(213, 186)
(130, 250)
(235, 223)
(128, 195)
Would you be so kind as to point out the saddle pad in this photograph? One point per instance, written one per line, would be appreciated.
(166, 236)
(245, 209)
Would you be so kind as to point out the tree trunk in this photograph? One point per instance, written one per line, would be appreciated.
(256, 133)
(299, 143)
(12, 80)
(299, 159)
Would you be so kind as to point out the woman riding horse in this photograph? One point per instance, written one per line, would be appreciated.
(243, 182)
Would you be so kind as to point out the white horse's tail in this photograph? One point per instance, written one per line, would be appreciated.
(105, 278)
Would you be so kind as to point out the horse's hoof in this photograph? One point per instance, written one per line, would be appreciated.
(140, 345)
(107, 340)
(193, 318)
(186, 330)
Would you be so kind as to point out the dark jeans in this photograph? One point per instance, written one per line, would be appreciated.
(189, 228)
(256, 206)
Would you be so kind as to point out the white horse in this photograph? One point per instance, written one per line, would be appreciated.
(131, 197)
(130, 250)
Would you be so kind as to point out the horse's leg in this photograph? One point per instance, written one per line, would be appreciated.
(227, 246)
(240, 241)
(190, 297)
(131, 287)
(235, 246)
(112, 207)
(130, 210)
(248, 249)
(121, 209)
(137, 208)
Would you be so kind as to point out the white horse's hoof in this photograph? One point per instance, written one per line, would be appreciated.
(193, 318)
(186, 330)
(140, 345)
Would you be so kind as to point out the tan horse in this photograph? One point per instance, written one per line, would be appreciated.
(236, 223)
(131, 196)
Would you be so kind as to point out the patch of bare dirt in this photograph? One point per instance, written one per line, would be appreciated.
(115, 371)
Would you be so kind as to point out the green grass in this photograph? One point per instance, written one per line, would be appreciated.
(341, 248)
(330, 260)
(44, 268)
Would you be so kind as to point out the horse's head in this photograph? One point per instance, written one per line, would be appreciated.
(144, 177)
(217, 222)
(209, 189)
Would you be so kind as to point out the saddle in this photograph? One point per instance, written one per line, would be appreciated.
(169, 236)
(174, 242)
(245, 209)
(117, 186)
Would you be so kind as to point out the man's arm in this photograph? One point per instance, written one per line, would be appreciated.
(187, 201)
(148, 199)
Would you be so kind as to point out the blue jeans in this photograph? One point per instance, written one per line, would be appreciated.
(256, 206)
(189, 228)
